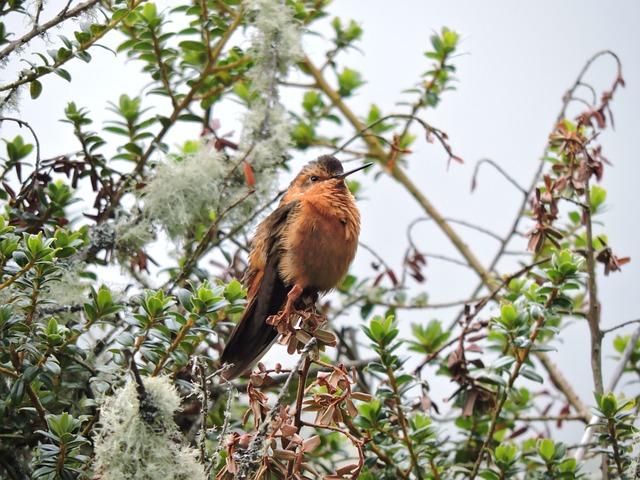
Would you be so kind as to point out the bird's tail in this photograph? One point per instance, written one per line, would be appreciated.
(248, 342)
(252, 336)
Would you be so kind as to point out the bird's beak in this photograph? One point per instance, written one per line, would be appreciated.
(346, 174)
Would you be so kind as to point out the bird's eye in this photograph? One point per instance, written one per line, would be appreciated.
(314, 179)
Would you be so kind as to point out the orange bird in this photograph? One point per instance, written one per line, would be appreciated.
(301, 249)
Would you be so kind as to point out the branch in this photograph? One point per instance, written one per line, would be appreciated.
(22, 123)
(12, 87)
(510, 179)
(624, 324)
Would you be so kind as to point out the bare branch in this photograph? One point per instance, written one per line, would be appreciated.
(509, 178)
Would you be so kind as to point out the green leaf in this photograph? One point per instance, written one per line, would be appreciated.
(366, 310)
(149, 11)
(35, 89)
(531, 374)
(503, 362)
(547, 449)
(191, 45)
(608, 405)
(348, 81)
(103, 299)
(17, 392)
(62, 73)
(508, 316)
(597, 196)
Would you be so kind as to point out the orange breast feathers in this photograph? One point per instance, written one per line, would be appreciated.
(321, 242)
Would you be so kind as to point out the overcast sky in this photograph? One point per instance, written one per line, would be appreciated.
(516, 61)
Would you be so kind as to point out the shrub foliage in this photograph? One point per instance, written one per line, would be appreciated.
(104, 382)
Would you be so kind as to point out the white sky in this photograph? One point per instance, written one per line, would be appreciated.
(517, 60)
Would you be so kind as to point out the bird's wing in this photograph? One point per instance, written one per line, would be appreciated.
(267, 294)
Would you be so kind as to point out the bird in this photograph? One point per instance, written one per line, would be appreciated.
(302, 249)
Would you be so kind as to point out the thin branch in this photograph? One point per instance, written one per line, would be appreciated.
(508, 177)
(552, 418)
(446, 258)
(427, 306)
(404, 424)
(520, 361)
(375, 254)
(15, 277)
(624, 324)
(477, 308)
(355, 441)
(27, 78)
(22, 123)
(177, 111)
(10, 373)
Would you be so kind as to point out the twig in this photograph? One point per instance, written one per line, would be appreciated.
(552, 418)
(508, 177)
(185, 101)
(427, 306)
(403, 422)
(15, 277)
(355, 441)
(520, 361)
(10, 373)
(22, 123)
(446, 258)
(624, 324)
(175, 344)
(376, 256)
(204, 410)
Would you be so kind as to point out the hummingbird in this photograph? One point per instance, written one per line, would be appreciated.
(302, 249)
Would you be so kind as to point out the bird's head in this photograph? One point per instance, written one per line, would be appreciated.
(325, 172)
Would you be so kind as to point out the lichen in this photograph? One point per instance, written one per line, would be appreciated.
(136, 440)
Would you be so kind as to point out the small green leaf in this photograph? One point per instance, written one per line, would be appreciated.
(35, 89)
(547, 449)
(62, 73)
(531, 374)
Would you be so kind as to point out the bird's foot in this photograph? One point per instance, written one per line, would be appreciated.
(289, 314)
(296, 327)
